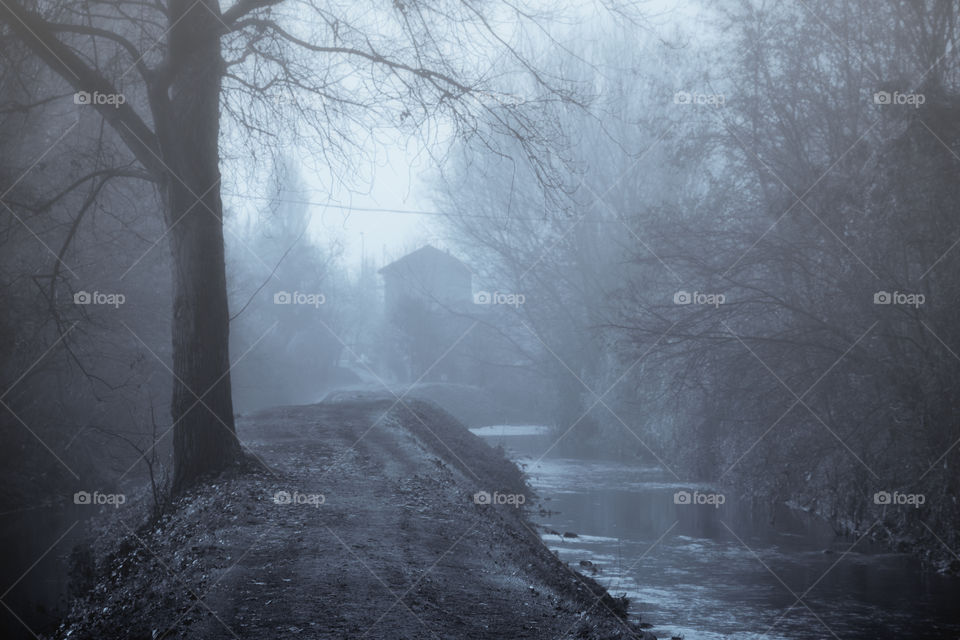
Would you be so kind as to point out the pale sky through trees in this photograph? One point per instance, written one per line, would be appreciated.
(681, 359)
(398, 173)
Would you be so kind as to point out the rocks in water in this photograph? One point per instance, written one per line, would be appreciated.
(570, 534)
(586, 564)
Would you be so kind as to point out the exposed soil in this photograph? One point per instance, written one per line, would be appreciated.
(397, 549)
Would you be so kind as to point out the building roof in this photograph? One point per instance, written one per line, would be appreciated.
(425, 256)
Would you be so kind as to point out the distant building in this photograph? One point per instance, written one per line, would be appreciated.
(428, 296)
(428, 275)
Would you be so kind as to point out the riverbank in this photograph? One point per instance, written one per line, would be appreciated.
(369, 520)
(717, 571)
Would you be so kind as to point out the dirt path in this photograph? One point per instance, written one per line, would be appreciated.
(397, 549)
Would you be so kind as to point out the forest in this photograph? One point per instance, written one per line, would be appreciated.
(675, 278)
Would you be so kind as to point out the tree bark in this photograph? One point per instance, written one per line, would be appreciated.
(204, 437)
(182, 151)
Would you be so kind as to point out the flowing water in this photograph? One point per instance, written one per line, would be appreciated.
(697, 569)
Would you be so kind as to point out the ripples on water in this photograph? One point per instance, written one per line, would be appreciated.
(699, 571)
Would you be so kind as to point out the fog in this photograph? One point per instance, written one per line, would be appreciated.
(601, 319)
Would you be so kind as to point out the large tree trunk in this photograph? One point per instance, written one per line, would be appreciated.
(204, 437)
(187, 130)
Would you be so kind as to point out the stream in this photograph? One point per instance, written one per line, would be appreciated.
(699, 566)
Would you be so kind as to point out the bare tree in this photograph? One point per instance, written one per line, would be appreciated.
(155, 72)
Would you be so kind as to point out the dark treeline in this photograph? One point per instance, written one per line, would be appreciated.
(722, 239)
(753, 279)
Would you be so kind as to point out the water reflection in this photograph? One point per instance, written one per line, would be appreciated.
(717, 569)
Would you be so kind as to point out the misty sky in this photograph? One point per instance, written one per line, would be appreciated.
(398, 176)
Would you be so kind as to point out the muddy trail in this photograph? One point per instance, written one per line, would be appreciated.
(364, 524)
